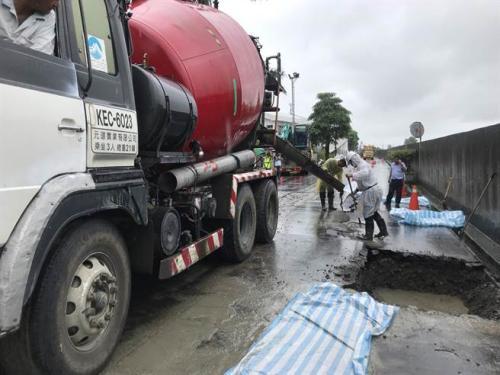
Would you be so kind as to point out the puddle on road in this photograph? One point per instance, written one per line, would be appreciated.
(448, 285)
(424, 301)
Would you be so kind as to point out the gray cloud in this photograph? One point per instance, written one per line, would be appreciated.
(392, 62)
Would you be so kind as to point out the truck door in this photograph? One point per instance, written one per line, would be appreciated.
(109, 103)
(42, 124)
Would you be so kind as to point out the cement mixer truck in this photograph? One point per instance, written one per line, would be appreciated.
(128, 150)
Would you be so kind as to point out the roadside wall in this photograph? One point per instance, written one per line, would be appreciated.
(471, 158)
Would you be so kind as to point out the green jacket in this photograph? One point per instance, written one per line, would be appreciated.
(331, 167)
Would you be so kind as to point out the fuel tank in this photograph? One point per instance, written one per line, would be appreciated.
(211, 55)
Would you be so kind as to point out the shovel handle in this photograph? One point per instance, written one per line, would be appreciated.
(353, 197)
(350, 185)
(478, 202)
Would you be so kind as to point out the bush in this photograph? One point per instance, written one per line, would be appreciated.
(408, 156)
(404, 154)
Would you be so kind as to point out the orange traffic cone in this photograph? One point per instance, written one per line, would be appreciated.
(414, 199)
(404, 192)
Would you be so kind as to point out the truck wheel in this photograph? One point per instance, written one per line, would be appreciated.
(266, 199)
(239, 233)
(82, 300)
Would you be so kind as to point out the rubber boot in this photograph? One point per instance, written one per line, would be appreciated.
(369, 227)
(322, 196)
(381, 226)
(330, 201)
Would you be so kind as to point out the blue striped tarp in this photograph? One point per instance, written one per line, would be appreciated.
(425, 218)
(324, 331)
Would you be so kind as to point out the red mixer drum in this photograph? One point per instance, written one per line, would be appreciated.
(211, 55)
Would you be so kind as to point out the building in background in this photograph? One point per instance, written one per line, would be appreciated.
(283, 120)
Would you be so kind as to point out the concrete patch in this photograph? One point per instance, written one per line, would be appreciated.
(435, 343)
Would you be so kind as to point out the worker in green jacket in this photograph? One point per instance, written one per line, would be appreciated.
(268, 161)
(333, 168)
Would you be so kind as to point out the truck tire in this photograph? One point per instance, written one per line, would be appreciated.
(81, 302)
(15, 355)
(239, 233)
(266, 200)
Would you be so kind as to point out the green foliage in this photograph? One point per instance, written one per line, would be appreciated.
(410, 140)
(352, 139)
(405, 154)
(380, 152)
(330, 121)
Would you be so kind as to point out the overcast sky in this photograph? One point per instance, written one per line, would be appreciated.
(392, 62)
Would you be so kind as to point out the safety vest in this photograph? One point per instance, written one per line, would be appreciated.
(268, 162)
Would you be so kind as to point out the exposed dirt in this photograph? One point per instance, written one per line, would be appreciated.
(478, 290)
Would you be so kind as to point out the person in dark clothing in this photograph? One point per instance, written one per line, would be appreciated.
(396, 181)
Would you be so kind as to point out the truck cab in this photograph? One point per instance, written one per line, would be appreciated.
(68, 145)
(49, 118)
(85, 203)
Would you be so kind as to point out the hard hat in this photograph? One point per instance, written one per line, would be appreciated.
(349, 156)
(353, 158)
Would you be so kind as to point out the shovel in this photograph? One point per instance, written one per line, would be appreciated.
(443, 202)
(353, 207)
(462, 232)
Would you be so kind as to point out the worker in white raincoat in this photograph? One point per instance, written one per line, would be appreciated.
(371, 197)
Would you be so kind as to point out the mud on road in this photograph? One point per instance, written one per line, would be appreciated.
(204, 321)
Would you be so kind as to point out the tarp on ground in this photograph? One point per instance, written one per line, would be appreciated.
(425, 218)
(327, 330)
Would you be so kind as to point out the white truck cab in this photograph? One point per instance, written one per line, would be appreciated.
(68, 145)
(82, 206)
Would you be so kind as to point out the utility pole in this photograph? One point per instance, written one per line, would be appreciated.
(293, 77)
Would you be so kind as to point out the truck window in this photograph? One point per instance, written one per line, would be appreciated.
(301, 136)
(100, 42)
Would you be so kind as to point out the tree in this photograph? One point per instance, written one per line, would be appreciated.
(352, 140)
(330, 121)
(410, 140)
(405, 154)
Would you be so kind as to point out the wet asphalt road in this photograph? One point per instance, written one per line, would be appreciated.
(204, 320)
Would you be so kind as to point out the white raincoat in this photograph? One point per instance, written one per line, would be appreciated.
(367, 183)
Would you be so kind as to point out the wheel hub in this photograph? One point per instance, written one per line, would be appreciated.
(92, 297)
(100, 301)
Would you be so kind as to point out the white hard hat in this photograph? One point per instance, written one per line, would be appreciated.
(353, 158)
(349, 156)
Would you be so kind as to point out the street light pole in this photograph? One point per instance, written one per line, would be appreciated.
(293, 77)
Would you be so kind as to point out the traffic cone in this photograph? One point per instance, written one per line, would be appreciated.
(404, 191)
(414, 199)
